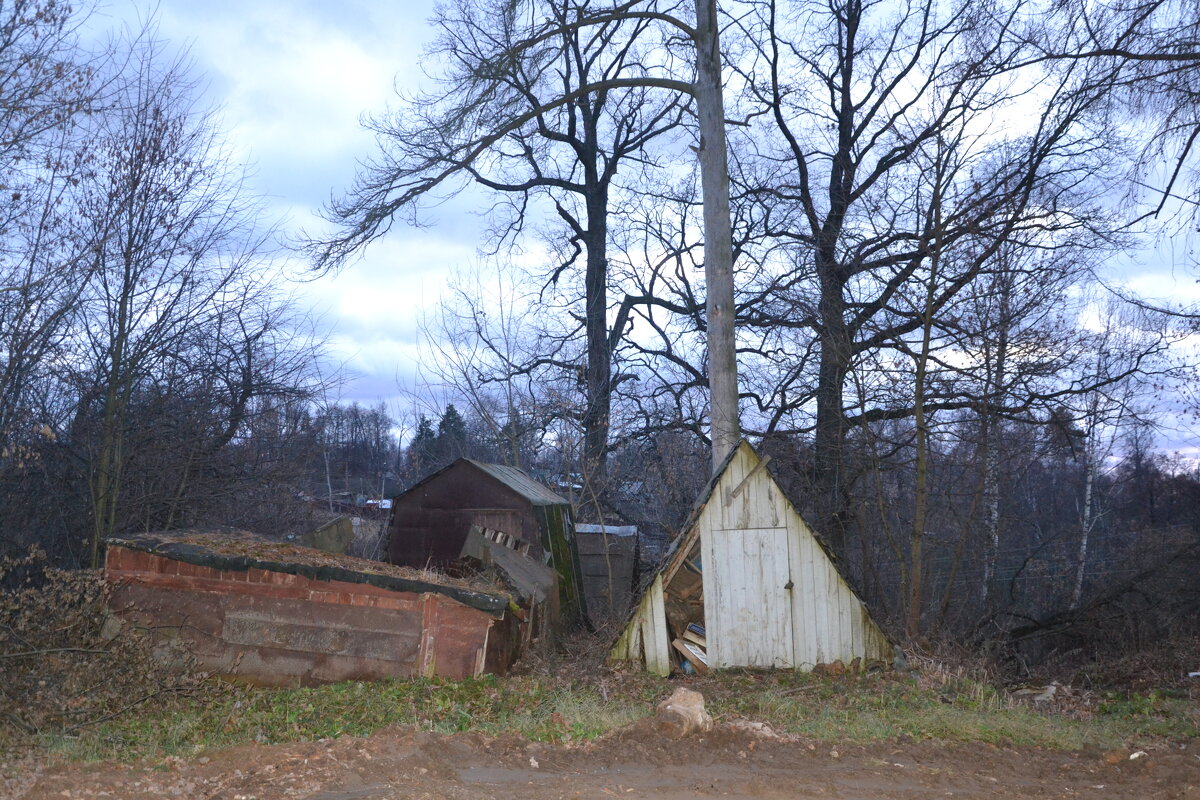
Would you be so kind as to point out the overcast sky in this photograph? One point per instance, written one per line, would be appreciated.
(292, 80)
(294, 77)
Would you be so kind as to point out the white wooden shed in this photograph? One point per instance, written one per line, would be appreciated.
(747, 584)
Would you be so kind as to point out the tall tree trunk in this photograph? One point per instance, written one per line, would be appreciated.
(1086, 517)
(991, 435)
(599, 363)
(117, 396)
(916, 564)
(830, 435)
(718, 238)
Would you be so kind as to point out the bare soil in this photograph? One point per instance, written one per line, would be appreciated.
(731, 761)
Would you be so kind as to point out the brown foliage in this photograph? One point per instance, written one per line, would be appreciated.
(65, 665)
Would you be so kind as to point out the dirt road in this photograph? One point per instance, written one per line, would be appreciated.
(635, 762)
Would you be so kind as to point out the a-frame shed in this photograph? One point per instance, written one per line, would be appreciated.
(747, 584)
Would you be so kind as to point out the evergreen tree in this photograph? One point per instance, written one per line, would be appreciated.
(422, 453)
(451, 436)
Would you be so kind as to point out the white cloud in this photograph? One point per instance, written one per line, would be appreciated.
(292, 80)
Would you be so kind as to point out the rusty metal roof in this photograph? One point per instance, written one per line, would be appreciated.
(520, 483)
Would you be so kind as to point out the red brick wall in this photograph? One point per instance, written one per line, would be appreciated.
(277, 628)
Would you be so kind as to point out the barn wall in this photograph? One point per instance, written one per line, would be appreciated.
(430, 523)
(275, 628)
(559, 541)
(606, 563)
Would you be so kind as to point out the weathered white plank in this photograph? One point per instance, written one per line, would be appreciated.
(857, 644)
(655, 642)
(732, 509)
(827, 611)
(804, 603)
(751, 615)
(714, 591)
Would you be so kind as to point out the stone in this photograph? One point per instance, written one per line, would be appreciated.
(682, 714)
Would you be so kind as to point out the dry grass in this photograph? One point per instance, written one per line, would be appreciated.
(268, 551)
(73, 692)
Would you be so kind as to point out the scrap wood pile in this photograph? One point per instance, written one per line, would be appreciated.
(63, 668)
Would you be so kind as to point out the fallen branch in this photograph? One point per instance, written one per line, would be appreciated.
(53, 650)
(116, 713)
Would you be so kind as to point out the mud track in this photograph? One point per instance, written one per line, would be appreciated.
(634, 762)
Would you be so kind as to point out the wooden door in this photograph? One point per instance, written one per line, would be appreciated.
(747, 598)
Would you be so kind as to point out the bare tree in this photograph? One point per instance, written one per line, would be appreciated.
(498, 100)
(175, 250)
(855, 93)
(1152, 50)
(48, 85)
(500, 122)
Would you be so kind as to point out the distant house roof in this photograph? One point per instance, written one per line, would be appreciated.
(520, 483)
(609, 530)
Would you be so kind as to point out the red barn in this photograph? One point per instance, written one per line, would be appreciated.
(431, 521)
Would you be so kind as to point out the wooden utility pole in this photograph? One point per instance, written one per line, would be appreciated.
(718, 239)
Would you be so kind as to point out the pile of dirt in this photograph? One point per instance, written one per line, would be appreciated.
(63, 668)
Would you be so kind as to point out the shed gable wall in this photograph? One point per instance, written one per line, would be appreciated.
(430, 523)
(773, 598)
(772, 595)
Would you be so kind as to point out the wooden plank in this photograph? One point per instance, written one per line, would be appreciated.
(807, 658)
(846, 601)
(796, 590)
(821, 609)
(683, 650)
(725, 507)
(713, 591)
(762, 462)
(857, 644)
(654, 633)
(428, 655)
(764, 513)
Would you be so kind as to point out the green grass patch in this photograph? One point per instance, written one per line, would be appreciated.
(873, 707)
(539, 709)
(858, 708)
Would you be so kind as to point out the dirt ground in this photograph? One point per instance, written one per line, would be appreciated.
(731, 761)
